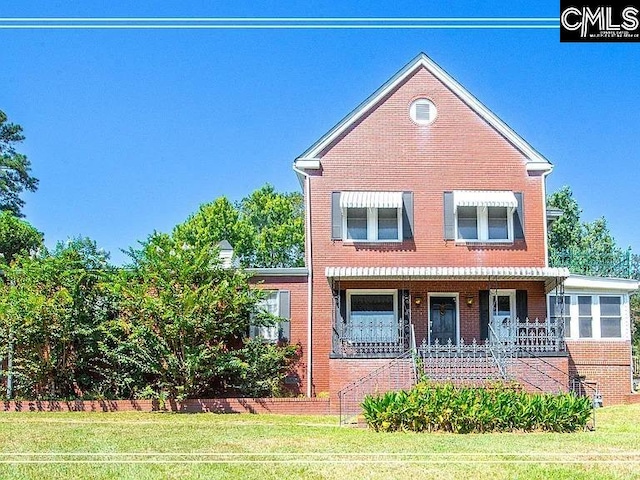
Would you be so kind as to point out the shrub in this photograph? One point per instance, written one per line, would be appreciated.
(499, 407)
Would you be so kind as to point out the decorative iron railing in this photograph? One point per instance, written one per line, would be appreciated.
(398, 374)
(473, 363)
(382, 339)
(614, 263)
(376, 338)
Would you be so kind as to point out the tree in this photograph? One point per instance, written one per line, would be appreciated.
(276, 221)
(266, 228)
(188, 318)
(583, 247)
(52, 307)
(17, 237)
(15, 168)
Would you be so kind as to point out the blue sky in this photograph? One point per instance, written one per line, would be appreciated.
(129, 131)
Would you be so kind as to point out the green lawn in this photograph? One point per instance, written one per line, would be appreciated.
(206, 446)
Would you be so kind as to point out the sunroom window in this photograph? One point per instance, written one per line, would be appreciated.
(560, 313)
(610, 317)
(585, 317)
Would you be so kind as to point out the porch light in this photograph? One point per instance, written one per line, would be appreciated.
(470, 300)
(418, 300)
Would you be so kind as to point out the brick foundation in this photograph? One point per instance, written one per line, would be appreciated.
(283, 406)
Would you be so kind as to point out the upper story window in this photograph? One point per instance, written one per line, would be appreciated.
(372, 216)
(422, 111)
(483, 216)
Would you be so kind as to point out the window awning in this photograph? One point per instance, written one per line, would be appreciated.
(484, 198)
(371, 200)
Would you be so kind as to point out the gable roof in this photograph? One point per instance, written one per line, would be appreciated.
(536, 161)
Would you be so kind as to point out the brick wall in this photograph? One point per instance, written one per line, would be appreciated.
(285, 406)
(546, 374)
(386, 151)
(298, 288)
(605, 362)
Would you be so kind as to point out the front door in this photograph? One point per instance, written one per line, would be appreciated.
(502, 314)
(442, 318)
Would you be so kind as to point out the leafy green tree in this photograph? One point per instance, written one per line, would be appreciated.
(276, 221)
(583, 247)
(189, 317)
(17, 237)
(51, 309)
(266, 228)
(15, 168)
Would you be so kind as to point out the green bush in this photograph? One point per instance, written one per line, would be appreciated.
(499, 407)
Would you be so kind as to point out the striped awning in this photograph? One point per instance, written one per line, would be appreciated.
(484, 198)
(371, 200)
(550, 276)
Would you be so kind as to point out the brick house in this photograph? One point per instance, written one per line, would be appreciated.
(426, 232)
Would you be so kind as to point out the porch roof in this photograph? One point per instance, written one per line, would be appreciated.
(551, 276)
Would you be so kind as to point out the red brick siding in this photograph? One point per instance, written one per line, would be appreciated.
(386, 151)
(546, 374)
(288, 406)
(298, 288)
(605, 362)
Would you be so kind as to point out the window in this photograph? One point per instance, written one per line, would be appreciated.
(585, 319)
(373, 224)
(276, 303)
(372, 316)
(485, 224)
(270, 305)
(610, 317)
(468, 223)
(560, 313)
(356, 223)
(422, 111)
(498, 223)
(388, 224)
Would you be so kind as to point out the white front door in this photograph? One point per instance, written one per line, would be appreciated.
(502, 314)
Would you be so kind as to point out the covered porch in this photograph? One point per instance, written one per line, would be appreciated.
(445, 312)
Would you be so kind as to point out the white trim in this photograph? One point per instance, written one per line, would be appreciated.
(456, 300)
(307, 164)
(422, 61)
(433, 111)
(587, 283)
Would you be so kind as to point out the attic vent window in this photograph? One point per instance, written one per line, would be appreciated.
(423, 111)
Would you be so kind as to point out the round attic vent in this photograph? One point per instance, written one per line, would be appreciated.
(422, 111)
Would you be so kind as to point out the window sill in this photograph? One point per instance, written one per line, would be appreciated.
(480, 243)
(375, 242)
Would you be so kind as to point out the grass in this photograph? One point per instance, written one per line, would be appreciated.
(208, 446)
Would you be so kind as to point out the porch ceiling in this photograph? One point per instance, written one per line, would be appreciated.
(551, 276)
